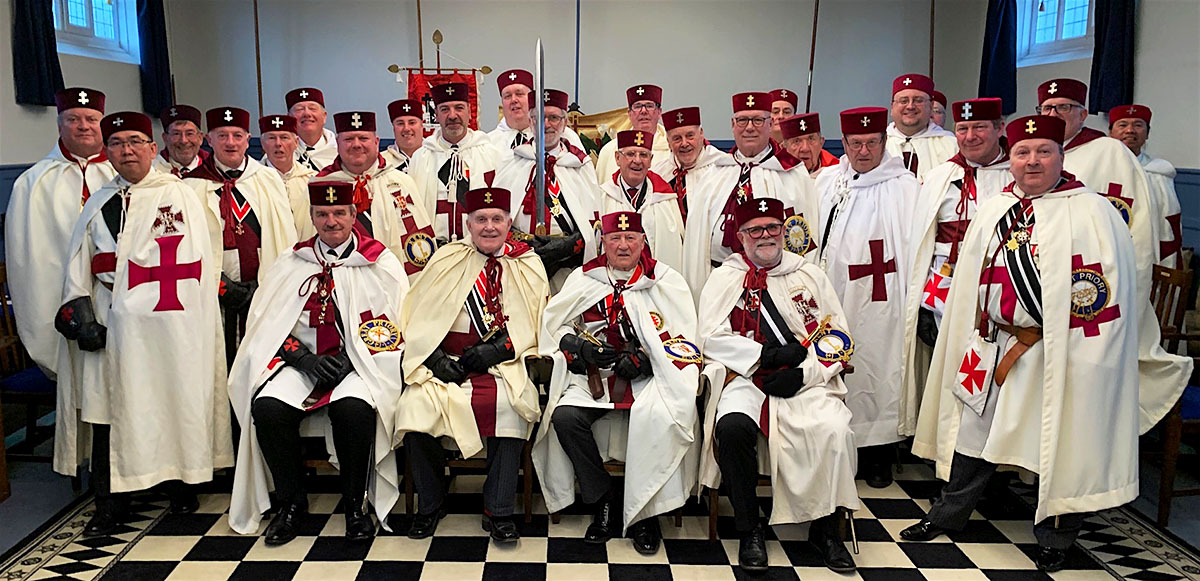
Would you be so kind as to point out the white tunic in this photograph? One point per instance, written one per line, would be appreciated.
(42, 210)
(866, 222)
(932, 146)
(295, 181)
(479, 162)
(503, 137)
(1160, 175)
(661, 218)
(319, 154)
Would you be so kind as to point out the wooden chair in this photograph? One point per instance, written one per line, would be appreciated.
(1168, 295)
(23, 384)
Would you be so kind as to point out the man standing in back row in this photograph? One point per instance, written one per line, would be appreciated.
(912, 136)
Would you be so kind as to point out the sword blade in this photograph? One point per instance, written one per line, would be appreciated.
(539, 80)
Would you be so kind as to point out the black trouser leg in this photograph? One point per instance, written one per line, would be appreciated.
(277, 425)
(353, 422)
(101, 463)
(737, 455)
(429, 468)
(1058, 532)
(968, 479)
(573, 425)
(881, 455)
(503, 475)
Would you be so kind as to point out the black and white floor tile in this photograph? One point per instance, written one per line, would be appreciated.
(997, 545)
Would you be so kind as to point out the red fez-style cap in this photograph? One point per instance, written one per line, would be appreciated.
(269, 123)
(1036, 127)
(179, 113)
(304, 94)
(681, 117)
(913, 81)
(753, 101)
(126, 121)
(635, 138)
(552, 98)
(79, 97)
(228, 117)
(982, 109)
(621, 222)
(802, 124)
(862, 120)
(643, 93)
(404, 108)
(1066, 88)
(330, 193)
(785, 95)
(758, 208)
(940, 97)
(1129, 111)
(354, 121)
(448, 92)
(481, 198)
(514, 77)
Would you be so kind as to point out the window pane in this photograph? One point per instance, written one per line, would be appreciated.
(1047, 21)
(102, 19)
(1075, 18)
(77, 12)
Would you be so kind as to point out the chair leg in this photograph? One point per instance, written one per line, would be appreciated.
(1172, 436)
(527, 493)
(408, 484)
(712, 514)
(679, 517)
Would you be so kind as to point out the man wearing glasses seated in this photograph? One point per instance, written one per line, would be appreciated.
(756, 168)
(867, 207)
(920, 144)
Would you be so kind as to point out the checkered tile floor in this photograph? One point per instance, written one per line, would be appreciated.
(998, 545)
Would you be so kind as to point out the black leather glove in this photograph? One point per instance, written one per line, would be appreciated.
(445, 368)
(322, 369)
(633, 364)
(235, 296)
(602, 356)
(557, 250)
(784, 383)
(789, 355)
(76, 321)
(338, 373)
(927, 329)
(480, 356)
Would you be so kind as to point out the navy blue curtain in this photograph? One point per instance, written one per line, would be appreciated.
(998, 71)
(36, 73)
(156, 63)
(1112, 59)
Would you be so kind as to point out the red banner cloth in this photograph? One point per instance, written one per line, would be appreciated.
(420, 82)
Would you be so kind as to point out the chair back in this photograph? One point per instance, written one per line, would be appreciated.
(1168, 295)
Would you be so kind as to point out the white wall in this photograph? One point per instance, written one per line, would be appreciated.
(700, 51)
(1166, 75)
(27, 133)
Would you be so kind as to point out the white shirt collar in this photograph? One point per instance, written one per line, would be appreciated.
(225, 168)
(338, 252)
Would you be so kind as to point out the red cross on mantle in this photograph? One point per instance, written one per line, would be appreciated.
(1091, 327)
(168, 273)
(877, 269)
(1169, 248)
(1008, 293)
(1113, 193)
(975, 374)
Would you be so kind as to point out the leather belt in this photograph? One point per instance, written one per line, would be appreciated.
(1026, 337)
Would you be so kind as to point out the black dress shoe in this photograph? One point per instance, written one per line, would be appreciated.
(922, 531)
(833, 550)
(286, 524)
(1051, 560)
(359, 526)
(423, 525)
(752, 550)
(646, 535)
(502, 528)
(879, 475)
(184, 502)
(600, 531)
(109, 514)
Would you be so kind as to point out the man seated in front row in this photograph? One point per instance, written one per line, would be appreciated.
(310, 351)
(768, 310)
(470, 321)
(620, 332)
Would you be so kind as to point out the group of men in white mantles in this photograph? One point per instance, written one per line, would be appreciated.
(984, 291)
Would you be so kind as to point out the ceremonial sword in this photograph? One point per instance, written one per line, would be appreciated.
(539, 138)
